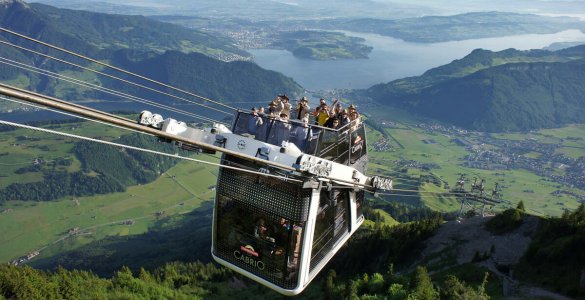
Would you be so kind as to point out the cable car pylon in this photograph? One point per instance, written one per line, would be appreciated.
(476, 195)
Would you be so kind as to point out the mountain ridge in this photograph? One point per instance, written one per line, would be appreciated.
(190, 70)
(509, 90)
(71, 27)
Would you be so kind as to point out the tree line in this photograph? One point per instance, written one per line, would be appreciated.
(556, 257)
(104, 169)
(195, 280)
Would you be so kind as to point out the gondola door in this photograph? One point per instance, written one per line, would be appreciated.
(331, 227)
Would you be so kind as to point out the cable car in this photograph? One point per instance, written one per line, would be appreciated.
(276, 226)
(288, 194)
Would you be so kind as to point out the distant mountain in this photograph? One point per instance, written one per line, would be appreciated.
(433, 29)
(509, 90)
(159, 50)
(251, 9)
(235, 81)
(71, 28)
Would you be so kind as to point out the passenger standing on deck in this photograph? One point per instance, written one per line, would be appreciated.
(280, 131)
(303, 110)
(279, 105)
(351, 110)
(343, 119)
(254, 121)
(272, 109)
(302, 134)
(336, 109)
(354, 117)
(318, 108)
(285, 105)
(323, 115)
(264, 127)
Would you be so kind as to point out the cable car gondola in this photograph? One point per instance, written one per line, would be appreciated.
(282, 230)
(287, 199)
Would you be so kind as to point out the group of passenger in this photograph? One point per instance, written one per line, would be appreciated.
(280, 109)
(335, 117)
(331, 117)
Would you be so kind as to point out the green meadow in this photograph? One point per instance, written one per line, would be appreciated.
(29, 226)
(19, 148)
(410, 142)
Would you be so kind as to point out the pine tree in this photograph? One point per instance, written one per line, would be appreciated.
(330, 285)
(422, 286)
(520, 206)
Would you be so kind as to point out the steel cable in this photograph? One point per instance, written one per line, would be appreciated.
(113, 67)
(113, 77)
(44, 72)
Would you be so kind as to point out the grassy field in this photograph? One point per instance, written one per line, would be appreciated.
(21, 147)
(29, 226)
(388, 219)
(409, 142)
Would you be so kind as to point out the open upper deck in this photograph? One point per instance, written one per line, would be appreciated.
(346, 145)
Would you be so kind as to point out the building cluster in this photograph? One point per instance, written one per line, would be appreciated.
(489, 153)
(128, 222)
(509, 154)
(25, 259)
(413, 164)
(381, 145)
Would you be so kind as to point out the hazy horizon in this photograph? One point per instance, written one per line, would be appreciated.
(299, 9)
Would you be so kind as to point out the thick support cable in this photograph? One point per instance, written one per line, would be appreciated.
(140, 149)
(61, 102)
(63, 105)
(113, 77)
(71, 115)
(113, 67)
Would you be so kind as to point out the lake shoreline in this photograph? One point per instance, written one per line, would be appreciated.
(393, 59)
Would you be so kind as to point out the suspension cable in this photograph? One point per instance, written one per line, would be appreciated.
(73, 115)
(111, 76)
(400, 195)
(460, 194)
(143, 150)
(467, 198)
(48, 73)
(115, 68)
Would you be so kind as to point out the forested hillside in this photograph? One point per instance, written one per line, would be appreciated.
(135, 43)
(76, 29)
(234, 81)
(105, 169)
(508, 90)
(556, 259)
(353, 274)
(380, 261)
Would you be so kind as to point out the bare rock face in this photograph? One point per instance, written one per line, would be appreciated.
(466, 238)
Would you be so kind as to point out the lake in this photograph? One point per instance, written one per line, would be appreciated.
(394, 58)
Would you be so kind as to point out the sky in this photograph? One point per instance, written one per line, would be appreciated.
(335, 8)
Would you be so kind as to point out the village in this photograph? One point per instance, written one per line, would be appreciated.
(487, 152)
